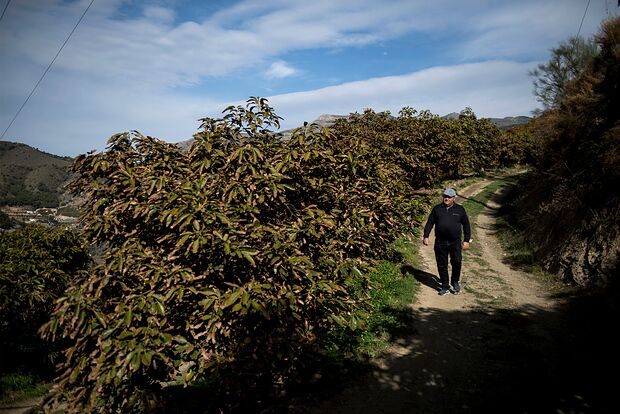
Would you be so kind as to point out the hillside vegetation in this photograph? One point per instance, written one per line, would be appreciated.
(568, 208)
(31, 177)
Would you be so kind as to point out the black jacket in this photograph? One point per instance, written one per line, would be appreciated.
(448, 223)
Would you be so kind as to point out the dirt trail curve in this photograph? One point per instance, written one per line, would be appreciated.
(499, 347)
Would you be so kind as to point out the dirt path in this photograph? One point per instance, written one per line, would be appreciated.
(21, 407)
(502, 346)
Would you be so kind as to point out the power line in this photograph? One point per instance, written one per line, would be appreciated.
(47, 69)
(584, 16)
(6, 6)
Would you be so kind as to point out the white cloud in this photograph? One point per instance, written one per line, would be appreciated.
(73, 122)
(74, 116)
(527, 28)
(151, 50)
(159, 14)
(491, 89)
(280, 69)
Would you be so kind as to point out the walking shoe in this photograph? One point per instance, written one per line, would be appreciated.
(457, 288)
(443, 291)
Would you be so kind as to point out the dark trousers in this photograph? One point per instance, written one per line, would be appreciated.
(444, 249)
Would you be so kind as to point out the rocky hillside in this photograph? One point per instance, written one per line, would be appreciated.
(31, 177)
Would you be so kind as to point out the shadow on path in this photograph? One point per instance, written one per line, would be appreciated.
(524, 360)
(422, 276)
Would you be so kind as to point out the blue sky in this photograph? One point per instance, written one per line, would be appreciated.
(157, 66)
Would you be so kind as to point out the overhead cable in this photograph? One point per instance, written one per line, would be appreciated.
(584, 16)
(47, 69)
(6, 6)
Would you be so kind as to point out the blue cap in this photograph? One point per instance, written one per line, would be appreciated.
(449, 192)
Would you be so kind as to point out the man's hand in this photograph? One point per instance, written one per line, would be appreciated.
(465, 245)
(425, 241)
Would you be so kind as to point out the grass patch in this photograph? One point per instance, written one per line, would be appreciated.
(391, 294)
(475, 204)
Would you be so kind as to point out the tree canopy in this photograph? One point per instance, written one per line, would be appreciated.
(567, 61)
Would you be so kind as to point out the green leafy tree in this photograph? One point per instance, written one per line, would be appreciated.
(567, 62)
(517, 146)
(223, 263)
(473, 144)
(36, 265)
(422, 148)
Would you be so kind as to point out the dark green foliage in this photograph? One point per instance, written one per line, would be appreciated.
(582, 138)
(224, 264)
(229, 264)
(423, 149)
(5, 221)
(36, 264)
(516, 146)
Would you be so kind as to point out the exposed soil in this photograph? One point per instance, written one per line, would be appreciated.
(506, 344)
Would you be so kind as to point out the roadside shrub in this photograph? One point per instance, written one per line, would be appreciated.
(482, 139)
(223, 263)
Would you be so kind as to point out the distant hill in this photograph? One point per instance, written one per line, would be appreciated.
(31, 177)
(324, 120)
(501, 123)
(510, 121)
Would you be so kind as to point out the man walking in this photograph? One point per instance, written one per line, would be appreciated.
(448, 218)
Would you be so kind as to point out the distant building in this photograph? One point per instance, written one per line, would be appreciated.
(43, 215)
